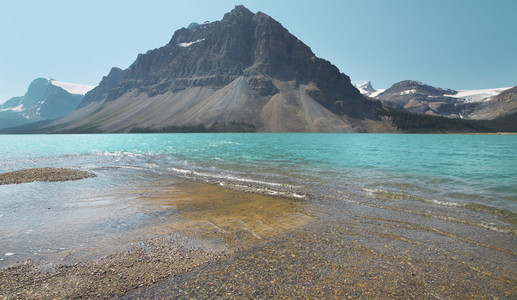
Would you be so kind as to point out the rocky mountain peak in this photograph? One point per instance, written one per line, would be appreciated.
(246, 67)
(407, 87)
(100, 92)
(45, 99)
(36, 91)
(215, 54)
(239, 13)
(366, 88)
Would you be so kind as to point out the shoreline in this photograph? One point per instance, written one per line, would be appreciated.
(343, 249)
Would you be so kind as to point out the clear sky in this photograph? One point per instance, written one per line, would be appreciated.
(458, 44)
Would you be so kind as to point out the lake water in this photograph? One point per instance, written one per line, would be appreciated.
(470, 179)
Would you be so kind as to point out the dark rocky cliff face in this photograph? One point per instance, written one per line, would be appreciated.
(100, 92)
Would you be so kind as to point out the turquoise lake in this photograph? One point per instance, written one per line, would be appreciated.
(464, 177)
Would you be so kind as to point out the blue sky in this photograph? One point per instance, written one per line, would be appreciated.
(458, 44)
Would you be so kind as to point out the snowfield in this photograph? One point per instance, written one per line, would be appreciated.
(377, 93)
(73, 88)
(478, 95)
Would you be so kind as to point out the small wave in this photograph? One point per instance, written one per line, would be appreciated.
(131, 168)
(397, 196)
(372, 191)
(181, 171)
(120, 153)
(494, 227)
(227, 177)
(444, 203)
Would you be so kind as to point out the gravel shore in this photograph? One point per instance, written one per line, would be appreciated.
(111, 276)
(43, 174)
(245, 246)
(354, 259)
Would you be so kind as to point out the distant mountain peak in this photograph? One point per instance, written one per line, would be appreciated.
(366, 87)
(417, 97)
(45, 99)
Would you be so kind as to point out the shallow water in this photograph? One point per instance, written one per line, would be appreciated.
(464, 179)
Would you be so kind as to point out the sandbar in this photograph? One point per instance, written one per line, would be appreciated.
(43, 174)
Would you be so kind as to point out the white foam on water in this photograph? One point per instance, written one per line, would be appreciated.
(120, 153)
(131, 168)
(444, 203)
(227, 177)
(181, 171)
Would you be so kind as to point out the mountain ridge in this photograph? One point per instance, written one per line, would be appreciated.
(249, 71)
(45, 99)
(246, 68)
(417, 97)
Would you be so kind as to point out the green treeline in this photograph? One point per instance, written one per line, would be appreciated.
(232, 126)
(507, 123)
(417, 123)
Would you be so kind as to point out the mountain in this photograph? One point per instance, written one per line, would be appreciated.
(501, 111)
(473, 96)
(245, 68)
(367, 89)
(501, 105)
(100, 92)
(417, 97)
(45, 99)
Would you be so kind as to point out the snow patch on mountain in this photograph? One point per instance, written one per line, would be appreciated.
(478, 95)
(185, 45)
(407, 92)
(18, 108)
(367, 89)
(377, 93)
(468, 96)
(73, 88)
